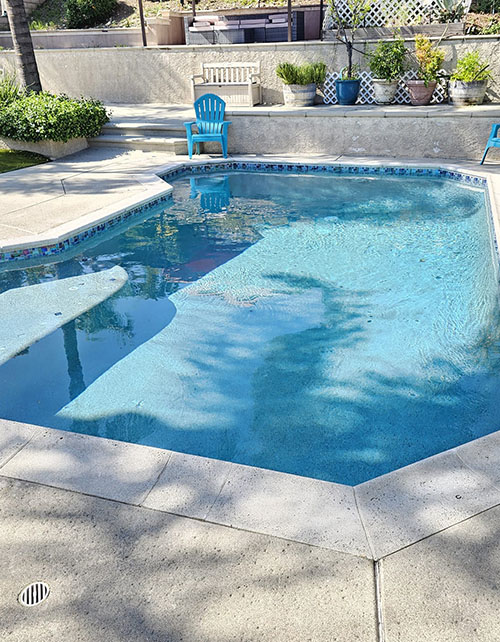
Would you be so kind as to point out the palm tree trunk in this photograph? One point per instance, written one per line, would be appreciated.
(23, 45)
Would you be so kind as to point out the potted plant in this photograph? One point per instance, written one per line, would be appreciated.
(300, 82)
(429, 60)
(387, 64)
(469, 80)
(347, 85)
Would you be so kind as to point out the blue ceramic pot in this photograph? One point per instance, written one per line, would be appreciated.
(347, 91)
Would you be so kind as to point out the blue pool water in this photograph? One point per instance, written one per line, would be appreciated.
(336, 327)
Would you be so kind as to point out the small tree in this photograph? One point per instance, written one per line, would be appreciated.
(346, 26)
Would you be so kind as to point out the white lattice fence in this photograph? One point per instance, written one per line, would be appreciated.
(387, 13)
(366, 89)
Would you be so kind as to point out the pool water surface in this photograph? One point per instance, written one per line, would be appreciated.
(336, 327)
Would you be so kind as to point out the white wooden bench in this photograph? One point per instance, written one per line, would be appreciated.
(238, 83)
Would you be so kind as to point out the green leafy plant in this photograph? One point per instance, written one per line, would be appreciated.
(346, 26)
(429, 59)
(38, 25)
(9, 89)
(450, 10)
(492, 28)
(306, 74)
(471, 67)
(354, 75)
(36, 117)
(388, 61)
(88, 13)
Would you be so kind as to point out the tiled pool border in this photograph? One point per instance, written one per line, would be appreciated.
(23, 251)
(373, 519)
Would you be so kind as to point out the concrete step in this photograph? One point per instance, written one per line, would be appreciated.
(165, 128)
(173, 144)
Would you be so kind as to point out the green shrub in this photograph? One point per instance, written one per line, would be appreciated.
(9, 89)
(388, 60)
(302, 74)
(429, 59)
(485, 6)
(88, 13)
(471, 67)
(35, 117)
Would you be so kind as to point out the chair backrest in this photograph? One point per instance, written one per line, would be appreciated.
(209, 110)
(229, 72)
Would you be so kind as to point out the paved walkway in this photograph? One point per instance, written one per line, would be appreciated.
(37, 199)
(124, 573)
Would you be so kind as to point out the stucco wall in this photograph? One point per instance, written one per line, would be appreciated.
(156, 75)
(364, 133)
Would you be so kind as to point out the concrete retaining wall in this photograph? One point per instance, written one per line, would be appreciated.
(438, 133)
(161, 74)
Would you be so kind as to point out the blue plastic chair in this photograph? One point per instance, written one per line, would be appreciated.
(210, 122)
(493, 141)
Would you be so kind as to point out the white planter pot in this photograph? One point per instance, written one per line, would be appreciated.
(50, 148)
(384, 91)
(467, 93)
(299, 95)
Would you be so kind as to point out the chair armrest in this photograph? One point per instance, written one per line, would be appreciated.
(189, 126)
(225, 124)
(494, 130)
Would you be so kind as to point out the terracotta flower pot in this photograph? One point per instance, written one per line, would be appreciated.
(420, 94)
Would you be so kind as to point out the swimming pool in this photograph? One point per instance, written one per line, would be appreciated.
(337, 327)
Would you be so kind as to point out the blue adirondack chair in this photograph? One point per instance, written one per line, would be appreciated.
(493, 140)
(210, 122)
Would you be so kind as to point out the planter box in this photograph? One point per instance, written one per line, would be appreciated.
(49, 148)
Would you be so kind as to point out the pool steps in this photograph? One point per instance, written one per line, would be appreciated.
(167, 136)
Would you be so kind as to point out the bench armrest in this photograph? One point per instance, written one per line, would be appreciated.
(255, 76)
(194, 76)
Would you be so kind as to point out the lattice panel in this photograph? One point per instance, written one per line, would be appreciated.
(388, 13)
(366, 90)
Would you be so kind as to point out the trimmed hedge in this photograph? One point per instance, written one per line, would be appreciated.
(36, 117)
(88, 13)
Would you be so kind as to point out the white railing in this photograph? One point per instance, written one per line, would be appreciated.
(389, 13)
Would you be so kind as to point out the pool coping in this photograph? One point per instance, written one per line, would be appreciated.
(373, 519)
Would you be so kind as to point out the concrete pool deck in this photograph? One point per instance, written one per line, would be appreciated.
(430, 526)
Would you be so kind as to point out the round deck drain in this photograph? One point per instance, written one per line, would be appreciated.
(34, 594)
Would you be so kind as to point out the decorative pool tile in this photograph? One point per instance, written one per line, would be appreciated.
(244, 166)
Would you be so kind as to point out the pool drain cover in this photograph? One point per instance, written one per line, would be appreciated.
(34, 594)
